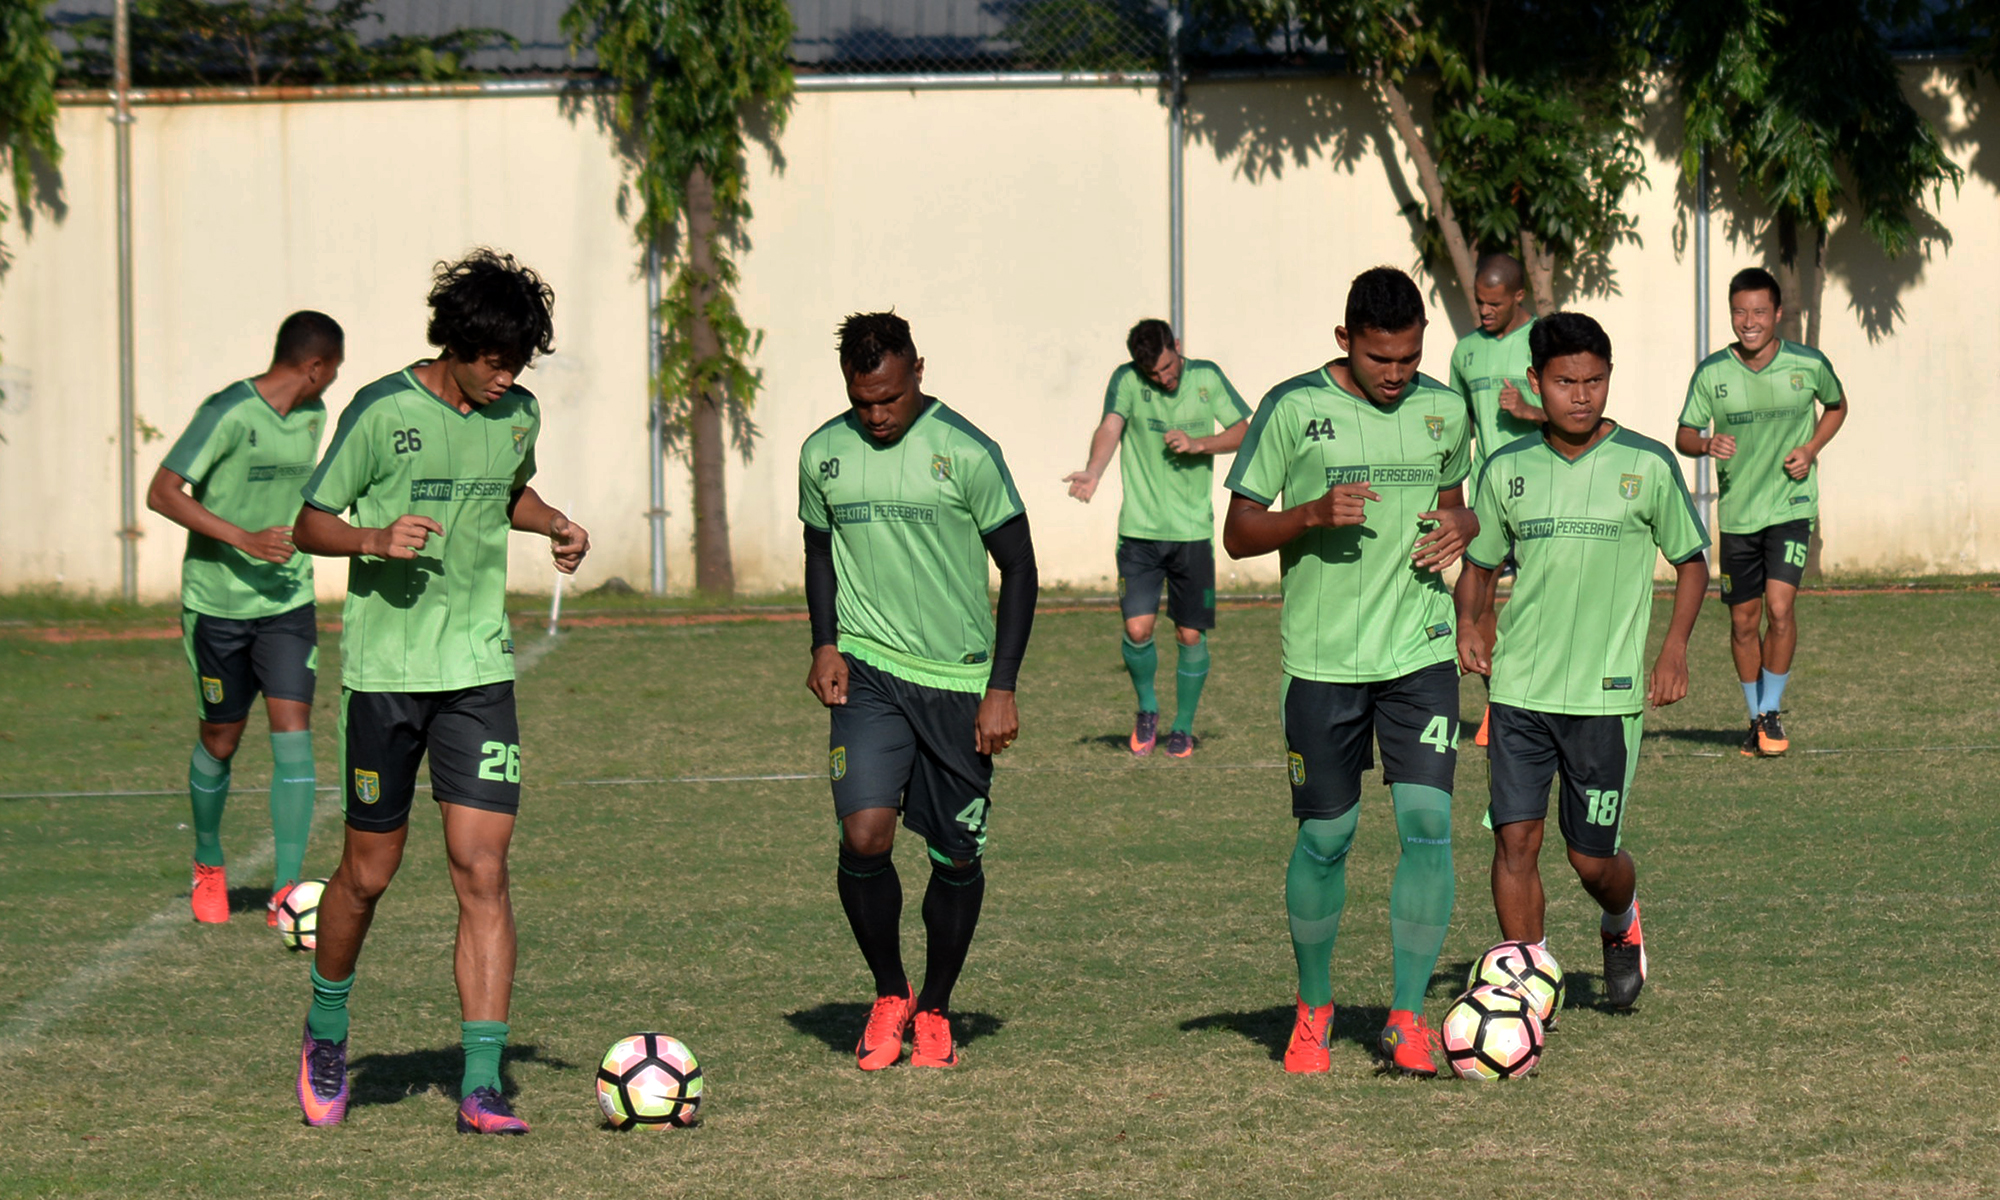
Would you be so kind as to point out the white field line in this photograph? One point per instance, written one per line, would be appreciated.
(114, 962)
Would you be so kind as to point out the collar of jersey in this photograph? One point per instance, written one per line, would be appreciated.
(410, 372)
(930, 402)
(1777, 354)
(1333, 385)
(1525, 327)
(282, 417)
(1616, 429)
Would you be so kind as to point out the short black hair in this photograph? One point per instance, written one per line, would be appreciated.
(1755, 279)
(1148, 340)
(1564, 333)
(867, 338)
(306, 335)
(488, 303)
(1383, 298)
(1502, 269)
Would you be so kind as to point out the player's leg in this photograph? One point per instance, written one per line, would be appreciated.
(218, 652)
(1416, 725)
(1785, 565)
(1326, 742)
(1140, 574)
(1741, 559)
(1599, 757)
(382, 742)
(475, 749)
(286, 657)
(1522, 761)
(1191, 604)
(870, 749)
(1489, 628)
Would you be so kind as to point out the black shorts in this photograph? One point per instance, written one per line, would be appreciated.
(234, 660)
(897, 744)
(1327, 726)
(1596, 756)
(1776, 552)
(474, 742)
(1187, 568)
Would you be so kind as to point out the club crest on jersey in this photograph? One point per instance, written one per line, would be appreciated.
(941, 468)
(367, 786)
(211, 690)
(1436, 426)
(520, 438)
(1296, 764)
(1628, 486)
(836, 763)
(1798, 381)
(312, 428)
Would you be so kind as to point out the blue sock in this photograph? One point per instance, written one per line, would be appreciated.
(1770, 690)
(1750, 698)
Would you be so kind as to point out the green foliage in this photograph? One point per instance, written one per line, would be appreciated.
(693, 76)
(28, 66)
(1802, 97)
(194, 43)
(1088, 35)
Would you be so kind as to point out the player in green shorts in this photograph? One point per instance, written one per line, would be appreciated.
(1759, 394)
(1584, 510)
(1370, 458)
(903, 502)
(431, 466)
(1165, 411)
(247, 593)
(1489, 367)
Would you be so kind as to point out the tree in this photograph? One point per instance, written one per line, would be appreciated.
(1534, 132)
(196, 43)
(28, 66)
(693, 78)
(1803, 99)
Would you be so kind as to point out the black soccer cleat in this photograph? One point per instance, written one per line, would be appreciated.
(1624, 963)
(1771, 739)
(1753, 741)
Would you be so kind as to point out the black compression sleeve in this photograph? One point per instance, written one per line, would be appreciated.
(1013, 552)
(822, 586)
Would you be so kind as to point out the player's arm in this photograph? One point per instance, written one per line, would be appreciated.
(827, 678)
(1468, 601)
(1225, 442)
(1013, 551)
(168, 497)
(1515, 405)
(1801, 459)
(1251, 528)
(568, 541)
(1457, 525)
(1694, 443)
(328, 535)
(1103, 444)
(1669, 681)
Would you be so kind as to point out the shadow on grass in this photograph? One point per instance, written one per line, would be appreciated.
(1271, 1027)
(1700, 737)
(839, 1024)
(249, 899)
(1585, 989)
(1121, 742)
(390, 1078)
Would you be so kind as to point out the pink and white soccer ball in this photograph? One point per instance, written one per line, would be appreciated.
(650, 1080)
(1492, 1033)
(1524, 967)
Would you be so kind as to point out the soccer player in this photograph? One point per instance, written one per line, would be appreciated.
(1489, 367)
(1761, 390)
(903, 501)
(1370, 458)
(1165, 411)
(433, 464)
(247, 593)
(1584, 509)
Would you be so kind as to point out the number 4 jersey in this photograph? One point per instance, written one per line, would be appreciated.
(436, 622)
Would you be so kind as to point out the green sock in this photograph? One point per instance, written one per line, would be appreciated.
(292, 783)
(1188, 678)
(208, 791)
(1142, 662)
(1315, 895)
(327, 1018)
(483, 1042)
(1420, 898)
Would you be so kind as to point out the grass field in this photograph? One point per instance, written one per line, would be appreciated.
(1821, 1019)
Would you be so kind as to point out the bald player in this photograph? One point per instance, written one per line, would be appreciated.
(1489, 369)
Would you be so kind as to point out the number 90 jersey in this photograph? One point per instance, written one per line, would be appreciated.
(908, 523)
(1357, 609)
(436, 622)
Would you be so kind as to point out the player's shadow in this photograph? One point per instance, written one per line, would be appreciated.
(391, 1078)
(1121, 742)
(249, 899)
(1695, 737)
(839, 1024)
(1585, 989)
(1271, 1027)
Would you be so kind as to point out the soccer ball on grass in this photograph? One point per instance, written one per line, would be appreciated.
(1492, 1033)
(649, 1079)
(298, 914)
(1526, 968)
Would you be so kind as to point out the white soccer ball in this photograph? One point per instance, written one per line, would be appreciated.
(651, 1080)
(298, 914)
(1526, 968)
(1491, 1033)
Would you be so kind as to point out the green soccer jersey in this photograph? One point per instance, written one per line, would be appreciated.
(436, 622)
(1170, 497)
(1356, 608)
(1573, 636)
(907, 522)
(1481, 365)
(1770, 414)
(245, 463)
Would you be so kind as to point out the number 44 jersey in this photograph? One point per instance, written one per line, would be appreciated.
(438, 621)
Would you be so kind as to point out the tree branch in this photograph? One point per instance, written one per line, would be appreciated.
(1433, 186)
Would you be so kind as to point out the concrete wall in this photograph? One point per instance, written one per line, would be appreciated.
(1020, 231)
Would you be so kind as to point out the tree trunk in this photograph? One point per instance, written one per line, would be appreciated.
(1427, 177)
(714, 569)
(1541, 266)
(1815, 292)
(1790, 327)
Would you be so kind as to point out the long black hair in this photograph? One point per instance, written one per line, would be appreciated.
(487, 303)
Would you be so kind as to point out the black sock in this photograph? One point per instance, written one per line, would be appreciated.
(872, 895)
(951, 913)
